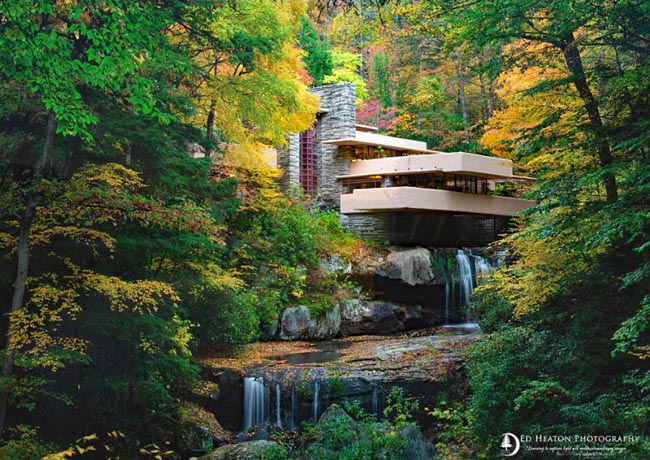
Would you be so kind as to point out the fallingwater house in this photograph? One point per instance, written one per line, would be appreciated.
(393, 189)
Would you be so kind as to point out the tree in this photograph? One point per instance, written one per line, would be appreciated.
(249, 84)
(557, 25)
(346, 67)
(318, 58)
(56, 50)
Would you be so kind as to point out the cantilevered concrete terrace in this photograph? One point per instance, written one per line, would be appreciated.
(457, 183)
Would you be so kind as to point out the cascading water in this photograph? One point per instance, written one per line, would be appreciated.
(256, 402)
(294, 408)
(464, 277)
(375, 400)
(278, 412)
(447, 298)
(449, 284)
(482, 266)
(316, 403)
(470, 270)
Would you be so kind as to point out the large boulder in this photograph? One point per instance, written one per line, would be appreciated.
(336, 415)
(417, 446)
(253, 450)
(199, 431)
(335, 264)
(412, 266)
(326, 326)
(361, 317)
(411, 316)
(335, 420)
(295, 323)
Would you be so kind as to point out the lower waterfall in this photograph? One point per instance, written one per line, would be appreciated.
(256, 402)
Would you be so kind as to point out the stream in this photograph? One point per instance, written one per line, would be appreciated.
(287, 383)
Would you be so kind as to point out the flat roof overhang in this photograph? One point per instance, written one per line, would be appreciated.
(399, 147)
(365, 138)
(368, 128)
(495, 177)
(417, 199)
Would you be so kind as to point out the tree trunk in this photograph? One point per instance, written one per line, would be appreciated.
(209, 130)
(573, 62)
(485, 92)
(487, 110)
(463, 101)
(210, 124)
(128, 154)
(23, 266)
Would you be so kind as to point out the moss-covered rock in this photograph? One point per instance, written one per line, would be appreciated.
(253, 450)
(199, 430)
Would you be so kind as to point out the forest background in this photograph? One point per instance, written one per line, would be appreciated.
(123, 255)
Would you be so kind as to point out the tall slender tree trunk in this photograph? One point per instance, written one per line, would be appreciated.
(576, 69)
(209, 129)
(23, 267)
(128, 154)
(486, 112)
(463, 102)
(485, 92)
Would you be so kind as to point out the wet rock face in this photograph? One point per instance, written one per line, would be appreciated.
(412, 266)
(227, 409)
(354, 369)
(350, 317)
(361, 317)
(206, 394)
(371, 318)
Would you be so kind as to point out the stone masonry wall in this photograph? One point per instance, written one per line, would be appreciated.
(373, 227)
(337, 120)
(289, 163)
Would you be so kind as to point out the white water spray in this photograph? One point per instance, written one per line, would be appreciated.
(256, 397)
(278, 399)
(464, 277)
(316, 403)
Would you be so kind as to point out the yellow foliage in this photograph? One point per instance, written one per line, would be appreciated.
(139, 296)
(544, 262)
(263, 99)
(528, 109)
(44, 235)
(32, 326)
(8, 243)
(110, 175)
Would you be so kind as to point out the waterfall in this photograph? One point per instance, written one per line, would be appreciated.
(316, 402)
(447, 298)
(375, 401)
(449, 284)
(256, 401)
(482, 266)
(464, 277)
(294, 408)
(501, 257)
(278, 414)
